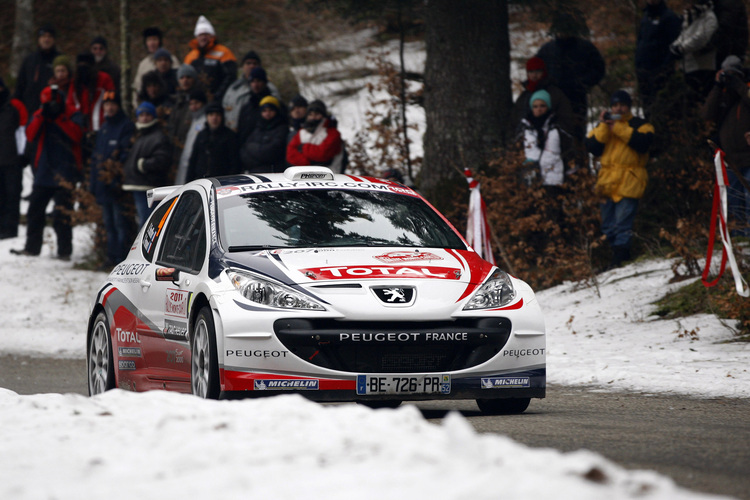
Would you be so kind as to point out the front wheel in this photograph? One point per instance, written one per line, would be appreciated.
(509, 406)
(101, 368)
(204, 364)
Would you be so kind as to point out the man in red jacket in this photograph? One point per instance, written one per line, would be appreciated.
(13, 118)
(317, 142)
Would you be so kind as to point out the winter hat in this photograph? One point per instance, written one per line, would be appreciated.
(732, 64)
(258, 73)
(111, 96)
(186, 70)
(85, 58)
(152, 31)
(146, 107)
(536, 64)
(540, 95)
(162, 52)
(47, 28)
(99, 40)
(621, 96)
(198, 95)
(251, 55)
(318, 106)
(204, 26)
(298, 102)
(152, 78)
(270, 100)
(215, 107)
(63, 61)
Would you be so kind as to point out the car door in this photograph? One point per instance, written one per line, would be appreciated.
(181, 254)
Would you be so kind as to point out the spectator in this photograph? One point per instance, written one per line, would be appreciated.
(63, 74)
(265, 149)
(147, 164)
(731, 37)
(197, 123)
(297, 114)
(693, 46)
(240, 90)
(154, 90)
(317, 142)
(103, 63)
(728, 106)
(181, 117)
(56, 161)
(653, 62)
(250, 112)
(214, 62)
(163, 63)
(542, 142)
(13, 117)
(574, 64)
(215, 151)
(36, 69)
(110, 151)
(153, 39)
(622, 142)
(538, 79)
(87, 91)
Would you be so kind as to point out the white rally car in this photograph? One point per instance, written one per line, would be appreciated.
(337, 287)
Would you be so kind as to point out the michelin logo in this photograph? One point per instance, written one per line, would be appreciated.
(498, 382)
(282, 384)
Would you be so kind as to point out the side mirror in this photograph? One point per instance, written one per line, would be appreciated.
(167, 274)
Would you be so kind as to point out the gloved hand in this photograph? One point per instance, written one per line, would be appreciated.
(676, 51)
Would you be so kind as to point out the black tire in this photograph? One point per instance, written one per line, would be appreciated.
(100, 371)
(510, 406)
(204, 364)
(384, 403)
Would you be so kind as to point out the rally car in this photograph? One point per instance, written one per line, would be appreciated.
(336, 287)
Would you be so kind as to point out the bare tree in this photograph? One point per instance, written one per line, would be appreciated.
(23, 40)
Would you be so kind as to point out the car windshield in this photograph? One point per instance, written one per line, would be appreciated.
(331, 218)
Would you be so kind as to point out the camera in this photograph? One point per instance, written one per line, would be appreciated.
(611, 116)
(722, 77)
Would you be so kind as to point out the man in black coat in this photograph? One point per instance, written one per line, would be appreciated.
(36, 70)
(265, 149)
(215, 151)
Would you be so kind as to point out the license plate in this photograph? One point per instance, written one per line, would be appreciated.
(407, 384)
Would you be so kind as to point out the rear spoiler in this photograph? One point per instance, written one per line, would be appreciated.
(154, 196)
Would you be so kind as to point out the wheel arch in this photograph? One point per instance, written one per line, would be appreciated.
(200, 301)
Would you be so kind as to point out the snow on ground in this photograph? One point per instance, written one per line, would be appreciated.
(161, 445)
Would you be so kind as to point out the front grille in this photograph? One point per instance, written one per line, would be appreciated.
(394, 347)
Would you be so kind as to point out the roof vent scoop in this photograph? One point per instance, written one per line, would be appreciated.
(308, 174)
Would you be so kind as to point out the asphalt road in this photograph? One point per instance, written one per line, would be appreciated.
(703, 444)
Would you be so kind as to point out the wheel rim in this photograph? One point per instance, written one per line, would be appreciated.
(99, 359)
(201, 357)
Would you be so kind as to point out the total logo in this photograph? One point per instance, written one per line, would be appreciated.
(126, 336)
(377, 272)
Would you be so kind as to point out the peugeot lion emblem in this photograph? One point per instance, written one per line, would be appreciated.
(395, 295)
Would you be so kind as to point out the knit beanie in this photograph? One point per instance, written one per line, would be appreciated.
(111, 96)
(251, 55)
(215, 107)
(543, 95)
(198, 95)
(47, 28)
(203, 26)
(85, 58)
(258, 73)
(621, 96)
(63, 60)
(186, 70)
(732, 64)
(99, 40)
(162, 52)
(298, 102)
(318, 106)
(536, 64)
(145, 107)
(270, 100)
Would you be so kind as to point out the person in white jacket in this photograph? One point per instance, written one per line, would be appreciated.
(542, 142)
(694, 47)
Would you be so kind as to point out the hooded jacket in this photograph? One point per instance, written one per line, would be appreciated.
(216, 62)
(624, 154)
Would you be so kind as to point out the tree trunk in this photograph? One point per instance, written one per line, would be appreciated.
(125, 56)
(23, 34)
(467, 96)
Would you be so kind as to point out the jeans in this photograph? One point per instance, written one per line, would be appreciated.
(141, 207)
(738, 203)
(36, 218)
(617, 221)
(117, 226)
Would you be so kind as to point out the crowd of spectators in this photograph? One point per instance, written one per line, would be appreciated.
(204, 116)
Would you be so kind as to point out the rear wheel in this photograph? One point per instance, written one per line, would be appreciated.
(204, 364)
(503, 406)
(101, 368)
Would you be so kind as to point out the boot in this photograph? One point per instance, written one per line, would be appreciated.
(621, 254)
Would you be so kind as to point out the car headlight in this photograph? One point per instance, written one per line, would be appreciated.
(269, 293)
(497, 291)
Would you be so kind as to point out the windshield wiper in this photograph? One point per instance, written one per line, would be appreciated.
(251, 248)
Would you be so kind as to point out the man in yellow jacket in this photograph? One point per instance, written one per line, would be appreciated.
(621, 141)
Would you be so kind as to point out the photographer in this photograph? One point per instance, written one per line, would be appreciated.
(622, 142)
(728, 106)
(55, 153)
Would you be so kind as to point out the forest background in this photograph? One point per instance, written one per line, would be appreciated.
(466, 86)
